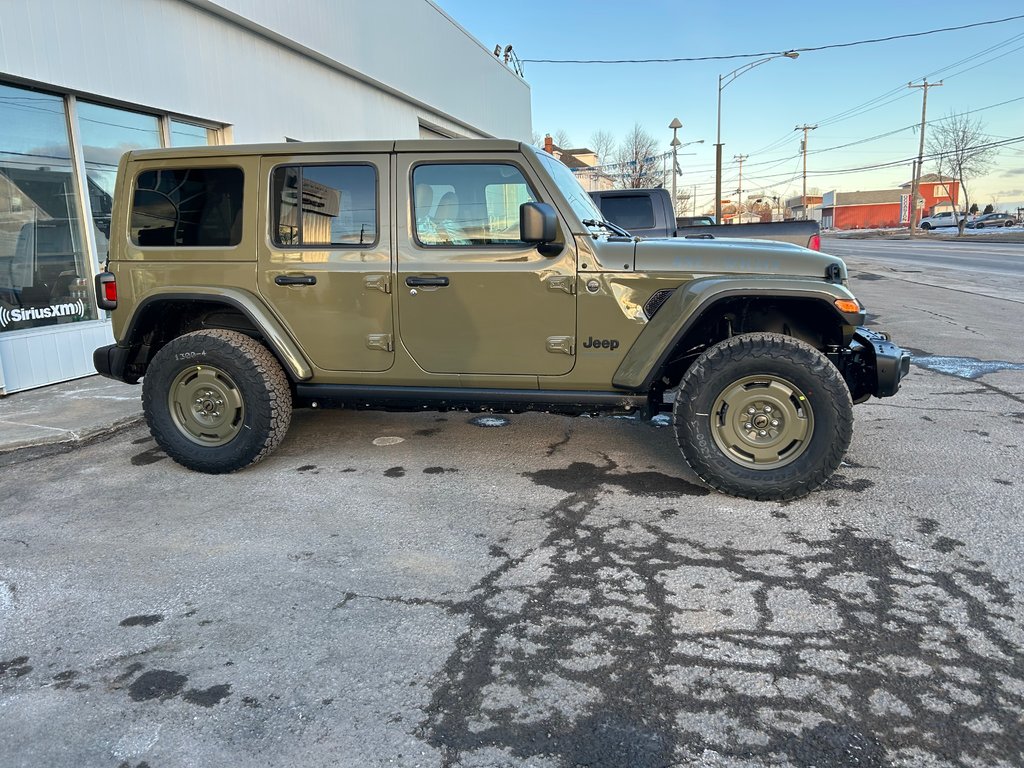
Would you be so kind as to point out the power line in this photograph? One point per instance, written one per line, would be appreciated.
(774, 53)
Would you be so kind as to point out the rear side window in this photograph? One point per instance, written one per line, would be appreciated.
(187, 207)
(629, 211)
(337, 206)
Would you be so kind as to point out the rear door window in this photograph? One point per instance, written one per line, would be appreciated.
(337, 206)
(187, 207)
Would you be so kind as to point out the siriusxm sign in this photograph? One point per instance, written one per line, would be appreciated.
(9, 317)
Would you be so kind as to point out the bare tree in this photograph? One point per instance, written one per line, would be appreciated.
(561, 139)
(537, 139)
(603, 144)
(638, 162)
(683, 198)
(958, 144)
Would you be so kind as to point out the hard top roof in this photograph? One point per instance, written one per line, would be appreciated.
(334, 148)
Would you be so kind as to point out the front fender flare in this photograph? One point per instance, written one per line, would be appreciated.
(690, 301)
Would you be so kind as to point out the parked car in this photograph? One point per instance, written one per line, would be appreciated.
(695, 221)
(944, 219)
(468, 274)
(993, 220)
(648, 213)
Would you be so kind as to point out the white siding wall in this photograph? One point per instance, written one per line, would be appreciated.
(307, 69)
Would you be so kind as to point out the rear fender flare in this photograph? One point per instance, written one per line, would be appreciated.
(249, 305)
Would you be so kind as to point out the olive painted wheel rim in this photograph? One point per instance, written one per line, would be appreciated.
(206, 405)
(762, 422)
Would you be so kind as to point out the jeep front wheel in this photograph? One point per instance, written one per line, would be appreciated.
(216, 400)
(763, 416)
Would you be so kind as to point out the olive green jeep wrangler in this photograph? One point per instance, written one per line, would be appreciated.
(244, 281)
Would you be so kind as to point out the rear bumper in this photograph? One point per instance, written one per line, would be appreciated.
(873, 365)
(112, 361)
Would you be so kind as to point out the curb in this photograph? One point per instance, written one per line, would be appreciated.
(36, 449)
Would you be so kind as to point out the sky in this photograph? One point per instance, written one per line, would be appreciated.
(851, 93)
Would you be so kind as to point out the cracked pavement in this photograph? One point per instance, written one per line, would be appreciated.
(533, 590)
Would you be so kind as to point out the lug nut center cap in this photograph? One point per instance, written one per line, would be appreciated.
(760, 421)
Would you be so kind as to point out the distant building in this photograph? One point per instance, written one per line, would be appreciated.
(795, 205)
(881, 208)
(584, 163)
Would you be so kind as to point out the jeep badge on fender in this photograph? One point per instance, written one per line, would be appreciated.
(396, 279)
(592, 343)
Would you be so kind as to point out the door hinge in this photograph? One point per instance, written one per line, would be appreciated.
(381, 341)
(566, 345)
(380, 283)
(565, 283)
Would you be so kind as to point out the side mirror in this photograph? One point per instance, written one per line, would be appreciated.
(537, 223)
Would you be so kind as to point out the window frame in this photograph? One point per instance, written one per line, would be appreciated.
(411, 184)
(184, 167)
(272, 214)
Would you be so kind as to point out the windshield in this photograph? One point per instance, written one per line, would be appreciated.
(580, 202)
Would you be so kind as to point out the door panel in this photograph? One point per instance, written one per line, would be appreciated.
(332, 292)
(471, 298)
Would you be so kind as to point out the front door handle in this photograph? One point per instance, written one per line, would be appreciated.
(416, 282)
(295, 279)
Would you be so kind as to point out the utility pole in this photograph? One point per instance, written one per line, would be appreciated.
(803, 148)
(675, 125)
(925, 85)
(694, 198)
(739, 192)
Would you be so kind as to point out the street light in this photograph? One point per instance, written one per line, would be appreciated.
(675, 125)
(724, 80)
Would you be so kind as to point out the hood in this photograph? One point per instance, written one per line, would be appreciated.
(732, 256)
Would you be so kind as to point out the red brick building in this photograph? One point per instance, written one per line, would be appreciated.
(887, 207)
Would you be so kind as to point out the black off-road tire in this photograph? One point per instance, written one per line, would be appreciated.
(793, 379)
(926, 226)
(238, 369)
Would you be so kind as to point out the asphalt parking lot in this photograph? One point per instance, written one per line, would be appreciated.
(529, 590)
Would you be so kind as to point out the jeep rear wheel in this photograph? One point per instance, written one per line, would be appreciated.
(763, 416)
(216, 400)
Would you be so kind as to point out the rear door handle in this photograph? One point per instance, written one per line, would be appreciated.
(295, 279)
(415, 282)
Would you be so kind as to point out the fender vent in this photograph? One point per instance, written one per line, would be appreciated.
(654, 303)
(834, 273)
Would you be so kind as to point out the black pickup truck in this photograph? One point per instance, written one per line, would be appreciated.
(648, 213)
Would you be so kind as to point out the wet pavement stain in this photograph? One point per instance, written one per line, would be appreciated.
(581, 475)
(207, 697)
(145, 620)
(427, 432)
(624, 643)
(16, 667)
(395, 472)
(438, 470)
(157, 684)
(306, 468)
(151, 456)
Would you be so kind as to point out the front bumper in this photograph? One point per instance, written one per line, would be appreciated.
(873, 365)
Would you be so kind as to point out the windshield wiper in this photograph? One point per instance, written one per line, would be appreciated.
(607, 225)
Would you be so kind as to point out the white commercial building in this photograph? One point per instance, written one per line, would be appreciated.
(82, 82)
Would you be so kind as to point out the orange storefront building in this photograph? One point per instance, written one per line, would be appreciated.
(880, 208)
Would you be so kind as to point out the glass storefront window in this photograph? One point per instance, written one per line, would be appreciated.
(44, 269)
(189, 135)
(107, 133)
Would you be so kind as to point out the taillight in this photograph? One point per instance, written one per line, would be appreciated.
(106, 290)
(815, 244)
